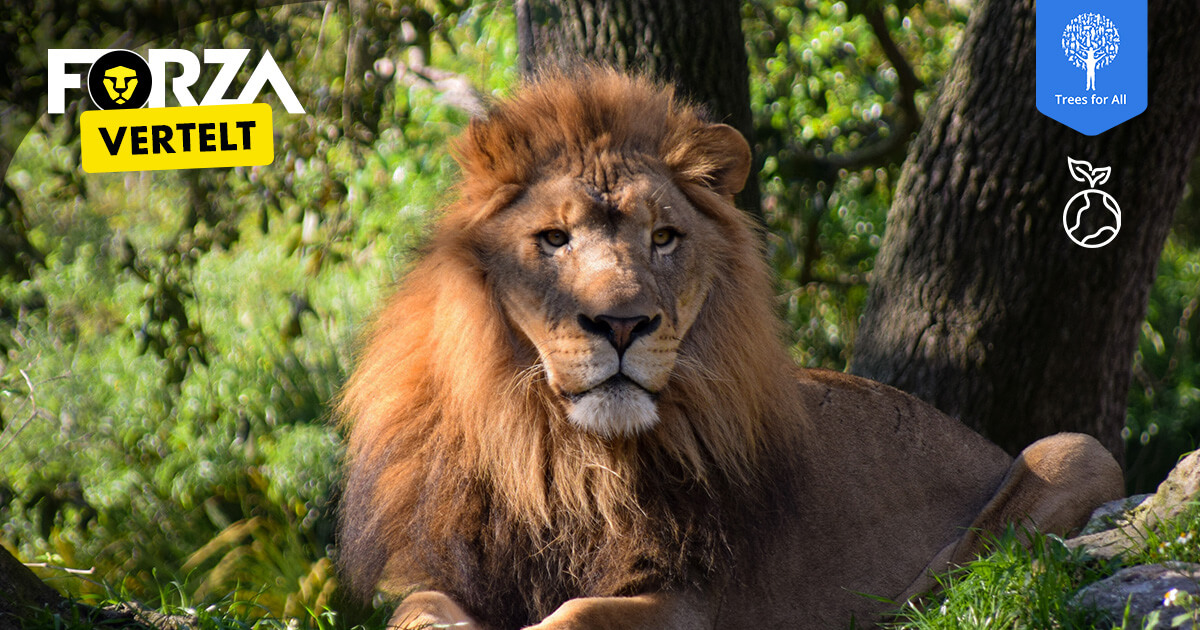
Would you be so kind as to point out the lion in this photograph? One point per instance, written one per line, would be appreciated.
(577, 410)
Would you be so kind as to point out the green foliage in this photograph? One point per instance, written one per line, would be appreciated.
(832, 126)
(166, 374)
(1008, 589)
(174, 607)
(1164, 399)
(1177, 540)
(1013, 587)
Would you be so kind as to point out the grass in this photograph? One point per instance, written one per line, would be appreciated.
(1013, 587)
(175, 606)
(1017, 587)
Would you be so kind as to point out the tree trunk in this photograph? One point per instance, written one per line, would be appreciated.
(980, 304)
(695, 44)
(22, 593)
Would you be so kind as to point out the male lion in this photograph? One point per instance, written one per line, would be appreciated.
(577, 411)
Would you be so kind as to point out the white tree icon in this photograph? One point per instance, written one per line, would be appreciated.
(1091, 41)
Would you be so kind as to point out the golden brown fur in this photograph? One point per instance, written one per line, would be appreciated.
(469, 474)
(461, 457)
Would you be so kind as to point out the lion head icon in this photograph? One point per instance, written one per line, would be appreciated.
(120, 83)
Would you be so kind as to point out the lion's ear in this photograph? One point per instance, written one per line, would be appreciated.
(716, 155)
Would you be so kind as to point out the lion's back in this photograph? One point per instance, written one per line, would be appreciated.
(884, 482)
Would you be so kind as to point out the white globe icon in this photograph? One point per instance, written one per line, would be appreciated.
(1092, 218)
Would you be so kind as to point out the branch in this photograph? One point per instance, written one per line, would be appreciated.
(799, 163)
(812, 242)
(456, 90)
(802, 163)
(841, 282)
(909, 83)
(32, 414)
(24, 594)
(44, 565)
(526, 49)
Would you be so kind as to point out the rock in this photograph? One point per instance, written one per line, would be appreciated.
(1113, 514)
(134, 614)
(1181, 488)
(1143, 589)
(1173, 496)
(1109, 544)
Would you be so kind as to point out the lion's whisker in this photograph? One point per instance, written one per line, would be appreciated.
(526, 379)
(696, 368)
(605, 468)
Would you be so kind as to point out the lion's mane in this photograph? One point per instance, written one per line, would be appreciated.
(464, 474)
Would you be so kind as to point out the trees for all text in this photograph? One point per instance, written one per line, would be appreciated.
(980, 304)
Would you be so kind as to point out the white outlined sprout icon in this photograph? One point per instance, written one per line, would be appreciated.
(1091, 41)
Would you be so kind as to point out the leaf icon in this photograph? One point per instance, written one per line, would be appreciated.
(1100, 176)
(1081, 170)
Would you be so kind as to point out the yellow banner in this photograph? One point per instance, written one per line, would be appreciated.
(162, 138)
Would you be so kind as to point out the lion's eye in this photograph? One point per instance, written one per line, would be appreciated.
(664, 237)
(554, 238)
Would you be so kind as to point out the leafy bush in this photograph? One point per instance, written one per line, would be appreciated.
(167, 374)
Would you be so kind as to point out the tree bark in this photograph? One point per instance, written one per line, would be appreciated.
(695, 44)
(22, 593)
(980, 304)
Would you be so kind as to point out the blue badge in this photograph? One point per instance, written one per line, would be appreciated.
(1091, 62)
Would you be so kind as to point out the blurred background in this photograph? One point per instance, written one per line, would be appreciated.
(170, 342)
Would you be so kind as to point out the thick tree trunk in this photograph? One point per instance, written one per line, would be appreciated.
(22, 593)
(695, 44)
(980, 304)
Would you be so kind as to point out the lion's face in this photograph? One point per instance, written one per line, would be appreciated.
(604, 281)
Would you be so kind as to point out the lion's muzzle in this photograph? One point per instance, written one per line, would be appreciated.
(621, 398)
(618, 406)
(620, 331)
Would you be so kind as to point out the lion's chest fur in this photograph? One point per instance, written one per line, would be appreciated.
(508, 573)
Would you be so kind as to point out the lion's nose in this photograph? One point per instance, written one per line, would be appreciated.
(621, 332)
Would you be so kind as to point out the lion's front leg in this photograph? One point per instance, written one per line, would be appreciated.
(430, 609)
(1053, 487)
(665, 611)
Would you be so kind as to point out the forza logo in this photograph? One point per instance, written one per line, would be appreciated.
(120, 134)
